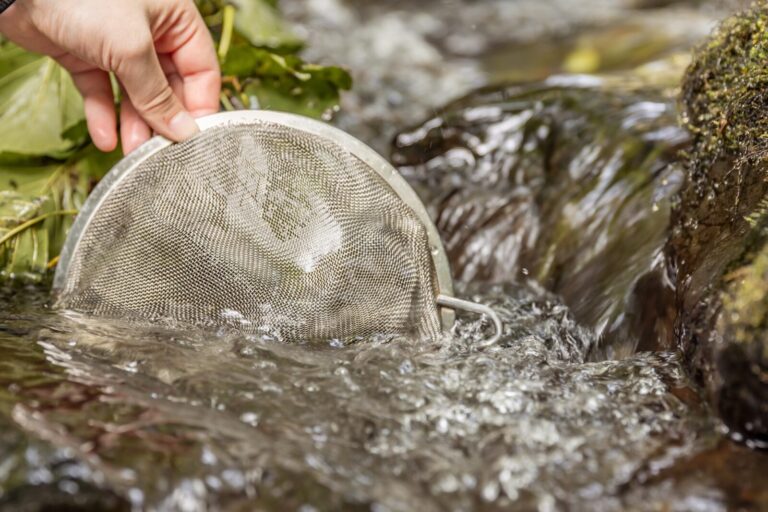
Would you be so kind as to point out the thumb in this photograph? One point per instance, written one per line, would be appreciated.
(146, 85)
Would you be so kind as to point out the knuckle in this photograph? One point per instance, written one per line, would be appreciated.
(160, 102)
(135, 50)
(127, 53)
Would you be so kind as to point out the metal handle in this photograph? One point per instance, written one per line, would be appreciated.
(473, 307)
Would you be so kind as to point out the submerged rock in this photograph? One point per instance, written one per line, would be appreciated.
(718, 247)
(567, 182)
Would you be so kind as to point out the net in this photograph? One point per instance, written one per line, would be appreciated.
(260, 226)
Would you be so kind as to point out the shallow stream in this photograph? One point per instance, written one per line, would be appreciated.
(552, 199)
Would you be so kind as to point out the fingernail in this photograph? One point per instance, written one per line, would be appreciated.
(182, 126)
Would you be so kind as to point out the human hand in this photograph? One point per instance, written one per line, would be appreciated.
(160, 51)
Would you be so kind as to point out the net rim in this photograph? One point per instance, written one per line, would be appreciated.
(367, 155)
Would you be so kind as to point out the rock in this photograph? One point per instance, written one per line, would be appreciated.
(567, 181)
(717, 249)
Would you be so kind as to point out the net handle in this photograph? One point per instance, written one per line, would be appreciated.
(453, 303)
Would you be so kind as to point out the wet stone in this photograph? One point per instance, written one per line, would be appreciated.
(568, 182)
(718, 244)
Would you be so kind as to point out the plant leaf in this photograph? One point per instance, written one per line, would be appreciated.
(285, 82)
(25, 254)
(12, 57)
(28, 192)
(260, 24)
(39, 106)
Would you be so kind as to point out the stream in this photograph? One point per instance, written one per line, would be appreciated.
(552, 187)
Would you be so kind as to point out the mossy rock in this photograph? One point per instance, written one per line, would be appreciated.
(725, 90)
(718, 251)
(742, 360)
(568, 182)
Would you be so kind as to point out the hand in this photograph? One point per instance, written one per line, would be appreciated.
(160, 51)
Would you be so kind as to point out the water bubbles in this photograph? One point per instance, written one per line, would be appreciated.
(389, 421)
(250, 418)
(234, 478)
(129, 366)
(136, 497)
(449, 483)
(207, 457)
(490, 491)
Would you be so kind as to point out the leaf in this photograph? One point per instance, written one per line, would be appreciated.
(285, 82)
(257, 22)
(12, 57)
(27, 181)
(260, 24)
(22, 255)
(39, 106)
(45, 195)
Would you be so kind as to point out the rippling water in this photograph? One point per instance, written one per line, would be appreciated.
(189, 420)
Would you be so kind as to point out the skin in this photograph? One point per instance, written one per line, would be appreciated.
(160, 51)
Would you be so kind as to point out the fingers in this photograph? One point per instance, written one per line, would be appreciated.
(194, 58)
(147, 87)
(133, 130)
(99, 104)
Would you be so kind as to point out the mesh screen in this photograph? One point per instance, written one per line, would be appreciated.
(262, 227)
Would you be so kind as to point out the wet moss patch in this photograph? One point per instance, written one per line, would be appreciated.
(725, 93)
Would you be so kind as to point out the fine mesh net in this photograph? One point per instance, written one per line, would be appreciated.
(263, 227)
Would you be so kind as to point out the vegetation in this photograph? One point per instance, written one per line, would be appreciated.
(48, 164)
(725, 92)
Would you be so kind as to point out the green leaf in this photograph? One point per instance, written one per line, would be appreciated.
(27, 181)
(260, 24)
(21, 200)
(285, 82)
(12, 57)
(36, 205)
(39, 106)
(257, 22)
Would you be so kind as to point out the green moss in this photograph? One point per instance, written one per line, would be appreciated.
(745, 302)
(725, 93)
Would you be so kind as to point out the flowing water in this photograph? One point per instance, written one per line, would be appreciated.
(185, 421)
(105, 415)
